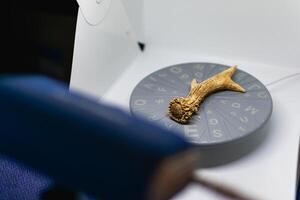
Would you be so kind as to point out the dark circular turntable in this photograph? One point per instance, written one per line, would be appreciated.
(223, 117)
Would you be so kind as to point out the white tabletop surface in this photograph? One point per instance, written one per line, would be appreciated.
(270, 171)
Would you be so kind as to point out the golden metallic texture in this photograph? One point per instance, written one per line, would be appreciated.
(181, 109)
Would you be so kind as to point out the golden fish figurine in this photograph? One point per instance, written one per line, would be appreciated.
(181, 109)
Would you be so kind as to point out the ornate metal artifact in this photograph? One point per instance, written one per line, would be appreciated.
(181, 109)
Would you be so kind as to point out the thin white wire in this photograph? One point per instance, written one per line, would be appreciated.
(97, 23)
(283, 78)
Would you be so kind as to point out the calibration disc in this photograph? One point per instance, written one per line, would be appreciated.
(223, 117)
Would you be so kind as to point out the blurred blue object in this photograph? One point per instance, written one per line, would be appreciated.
(75, 141)
(298, 192)
(18, 182)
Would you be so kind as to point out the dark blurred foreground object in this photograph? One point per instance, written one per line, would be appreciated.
(88, 147)
(38, 37)
(84, 145)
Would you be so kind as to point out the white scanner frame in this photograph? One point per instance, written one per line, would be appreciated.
(261, 36)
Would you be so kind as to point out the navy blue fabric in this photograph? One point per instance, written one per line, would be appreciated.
(298, 192)
(78, 142)
(18, 182)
